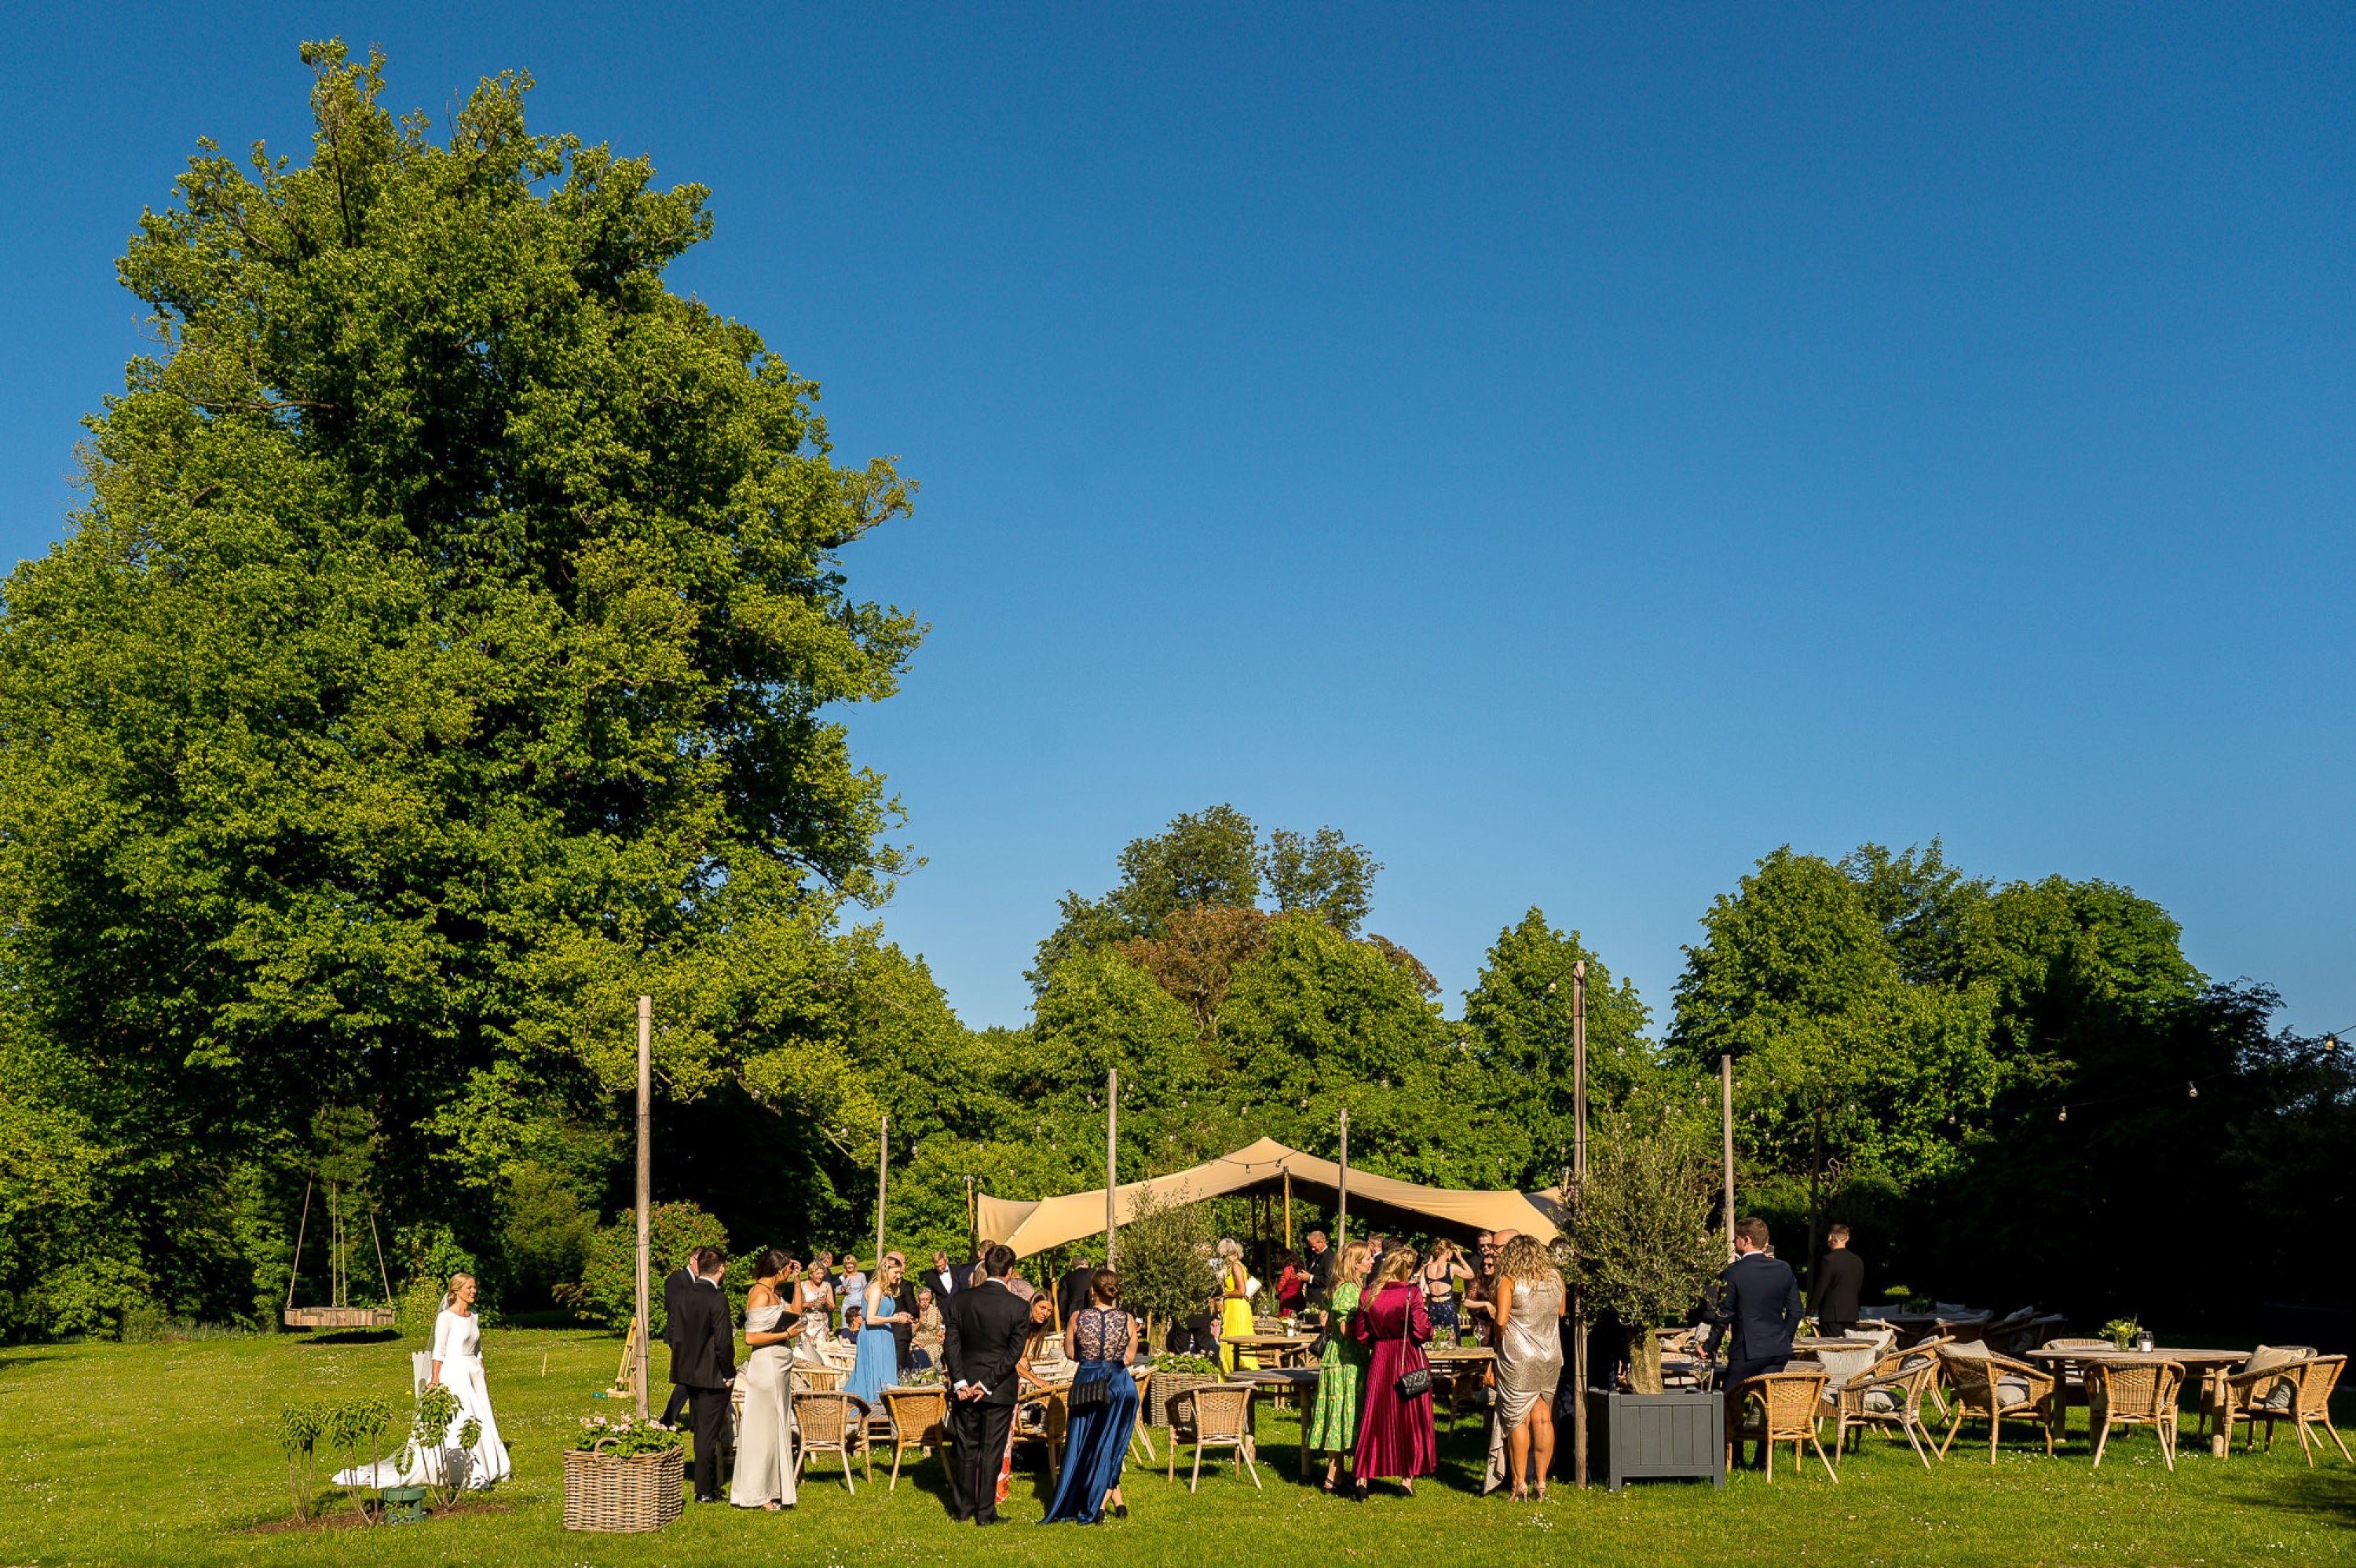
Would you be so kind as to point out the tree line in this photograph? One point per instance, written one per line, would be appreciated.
(454, 643)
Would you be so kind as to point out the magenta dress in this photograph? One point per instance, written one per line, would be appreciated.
(1395, 1435)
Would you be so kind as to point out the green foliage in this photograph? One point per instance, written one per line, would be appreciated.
(357, 1430)
(1326, 875)
(624, 1439)
(1643, 1241)
(546, 1227)
(607, 1288)
(448, 652)
(1163, 1272)
(430, 1431)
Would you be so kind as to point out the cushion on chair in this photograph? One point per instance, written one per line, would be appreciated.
(1882, 1400)
(2277, 1394)
(2012, 1389)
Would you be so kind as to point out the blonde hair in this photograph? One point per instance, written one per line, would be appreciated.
(1229, 1247)
(1351, 1266)
(1397, 1263)
(1522, 1258)
(450, 1296)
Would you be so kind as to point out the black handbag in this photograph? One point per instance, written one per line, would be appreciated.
(1414, 1384)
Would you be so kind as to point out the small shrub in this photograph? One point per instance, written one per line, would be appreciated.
(430, 1432)
(357, 1429)
(300, 1424)
(603, 1294)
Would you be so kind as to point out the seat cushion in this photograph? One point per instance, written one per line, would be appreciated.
(1882, 1400)
(2276, 1394)
(2012, 1389)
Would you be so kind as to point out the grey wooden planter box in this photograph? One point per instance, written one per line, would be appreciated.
(1641, 1436)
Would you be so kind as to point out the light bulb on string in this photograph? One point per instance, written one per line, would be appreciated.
(2066, 1113)
(2193, 1091)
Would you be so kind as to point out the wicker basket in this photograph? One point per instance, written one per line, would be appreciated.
(1167, 1386)
(614, 1493)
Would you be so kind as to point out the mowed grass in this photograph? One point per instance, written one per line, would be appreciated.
(162, 1454)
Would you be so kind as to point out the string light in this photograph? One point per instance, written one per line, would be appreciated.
(2066, 1113)
(2193, 1091)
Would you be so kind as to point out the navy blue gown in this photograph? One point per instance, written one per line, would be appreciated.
(1096, 1441)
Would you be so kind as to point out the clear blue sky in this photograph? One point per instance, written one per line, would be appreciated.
(1573, 451)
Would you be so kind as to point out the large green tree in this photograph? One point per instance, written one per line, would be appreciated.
(447, 651)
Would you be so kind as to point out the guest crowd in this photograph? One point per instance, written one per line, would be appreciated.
(1377, 1306)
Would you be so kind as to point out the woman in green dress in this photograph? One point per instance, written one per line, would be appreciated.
(1341, 1374)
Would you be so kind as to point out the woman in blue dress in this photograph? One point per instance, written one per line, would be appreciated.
(878, 1366)
(1101, 1338)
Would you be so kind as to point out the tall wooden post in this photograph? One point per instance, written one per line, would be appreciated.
(883, 1176)
(972, 1236)
(646, 1187)
(1112, 1152)
(1288, 1207)
(1726, 1127)
(1578, 1193)
(1342, 1222)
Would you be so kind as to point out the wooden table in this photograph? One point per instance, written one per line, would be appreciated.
(2213, 1367)
(1291, 1350)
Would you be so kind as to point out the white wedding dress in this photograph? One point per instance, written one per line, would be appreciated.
(458, 1346)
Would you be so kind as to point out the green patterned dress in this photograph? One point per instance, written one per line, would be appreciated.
(1341, 1379)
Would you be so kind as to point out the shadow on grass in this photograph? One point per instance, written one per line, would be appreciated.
(25, 1358)
(351, 1336)
(2322, 1491)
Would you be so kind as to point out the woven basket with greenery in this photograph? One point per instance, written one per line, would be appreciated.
(1167, 1385)
(624, 1481)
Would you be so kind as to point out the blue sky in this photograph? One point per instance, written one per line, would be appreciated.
(1572, 450)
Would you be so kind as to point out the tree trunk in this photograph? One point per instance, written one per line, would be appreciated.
(1643, 1361)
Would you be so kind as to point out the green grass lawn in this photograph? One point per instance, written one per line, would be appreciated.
(162, 1454)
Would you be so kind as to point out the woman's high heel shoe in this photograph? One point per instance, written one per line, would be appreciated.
(1357, 1491)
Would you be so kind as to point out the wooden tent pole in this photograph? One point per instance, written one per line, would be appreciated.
(883, 1176)
(1288, 1207)
(646, 1187)
(301, 1228)
(1725, 1128)
(1342, 1223)
(1578, 1187)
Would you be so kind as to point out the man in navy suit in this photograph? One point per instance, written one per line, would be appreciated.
(1758, 1313)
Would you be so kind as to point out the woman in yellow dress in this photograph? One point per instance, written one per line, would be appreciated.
(1235, 1306)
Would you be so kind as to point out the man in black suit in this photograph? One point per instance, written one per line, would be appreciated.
(1758, 1313)
(982, 1343)
(945, 1279)
(703, 1362)
(674, 1284)
(1072, 1290)
(1836, 1284)
(1318, 1265)
(1198, 1333)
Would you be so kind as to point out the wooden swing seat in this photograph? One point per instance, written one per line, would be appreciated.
(340, 1318)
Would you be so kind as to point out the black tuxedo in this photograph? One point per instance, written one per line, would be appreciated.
(1834, 1290)
(944, 1283)
(703, 1360)
(1072, 1295)
(1759, 1311)
(675, 1282)
(1319, 1267)
(983, 1338)
(1192, 1336)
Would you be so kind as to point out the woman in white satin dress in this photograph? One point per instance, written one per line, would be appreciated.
(458, 1366)
(764, 1434)
(814, 1300)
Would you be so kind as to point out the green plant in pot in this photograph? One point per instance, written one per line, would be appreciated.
(1644, 1248)
(2122, 1332)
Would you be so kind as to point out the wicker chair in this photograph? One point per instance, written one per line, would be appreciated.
(1890, 1395)
(831, 1422)
(1054, 1403)
(2133, 1392)
(812, 1378)
(2310, 1383)
(1790, 1403)
(2070, 1376)
(1991, 1387)
(1214, 1415)
(919, 1420)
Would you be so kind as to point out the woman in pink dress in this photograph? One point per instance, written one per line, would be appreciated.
(1395, 1436)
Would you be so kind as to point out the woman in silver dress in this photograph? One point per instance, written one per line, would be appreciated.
(1531, 1299)
(765, 1437)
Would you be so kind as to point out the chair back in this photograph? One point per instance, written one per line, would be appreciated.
(2316, 1376)
(814, 1378)
(2078, 1345)
(1220, 1412)
(918, 1414)
(829, 1418)
(1791, 1399)
(2142, 1389)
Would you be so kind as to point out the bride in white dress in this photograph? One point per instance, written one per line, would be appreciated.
(459, 1365)
(764, 1436)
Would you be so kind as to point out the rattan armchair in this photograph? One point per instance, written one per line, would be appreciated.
(2140, 1391)
(919, 1420)
(1890, 1395)
(829, 1421)
(1990, 1387)
(2309, 1382)
(2070, 1376)
(1789, 1405)
(1212, 1416)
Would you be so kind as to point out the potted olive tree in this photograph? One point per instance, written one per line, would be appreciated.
(1645, 1252)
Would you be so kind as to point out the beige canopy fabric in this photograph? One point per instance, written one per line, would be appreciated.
(1034, 1227)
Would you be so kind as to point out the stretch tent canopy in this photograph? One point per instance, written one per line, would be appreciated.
(1034, 1227)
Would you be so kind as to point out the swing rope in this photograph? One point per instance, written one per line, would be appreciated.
(294, 1267)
